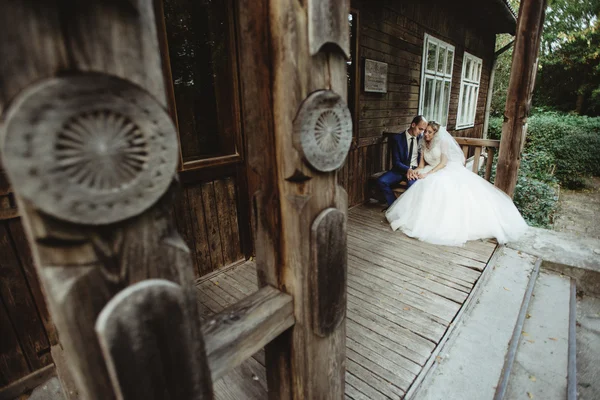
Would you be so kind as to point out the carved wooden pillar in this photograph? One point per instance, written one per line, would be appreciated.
(92, 156)
(520, 90)
(298, 133)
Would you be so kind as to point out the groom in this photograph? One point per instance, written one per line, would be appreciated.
(405, 149)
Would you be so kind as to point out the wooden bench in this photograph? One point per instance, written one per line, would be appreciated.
(373, 191)
(481, 151)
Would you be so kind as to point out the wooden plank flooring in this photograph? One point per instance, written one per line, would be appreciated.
(402, 296)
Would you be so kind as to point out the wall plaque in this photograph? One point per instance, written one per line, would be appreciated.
(375, 76)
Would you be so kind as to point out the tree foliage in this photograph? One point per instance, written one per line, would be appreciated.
(569, 71)
(503, 65)
(502, 76)
(568, 77)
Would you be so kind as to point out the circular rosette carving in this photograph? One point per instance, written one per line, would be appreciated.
(90, 149)
(323, 130)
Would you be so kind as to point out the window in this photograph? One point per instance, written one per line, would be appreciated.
(436, 79)
(469, 90)
(203, 65)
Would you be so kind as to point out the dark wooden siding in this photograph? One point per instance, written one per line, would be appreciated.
(25, 327)
(207, 217)
(393, 31)
(26, 331)
(211, 210)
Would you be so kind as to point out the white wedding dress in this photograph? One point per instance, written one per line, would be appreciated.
(454, 205)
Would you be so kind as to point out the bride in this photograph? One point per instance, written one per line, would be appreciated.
(449, 204)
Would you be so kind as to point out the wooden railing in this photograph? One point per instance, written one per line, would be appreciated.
(239, 331)
(485, 147)
(480, 148)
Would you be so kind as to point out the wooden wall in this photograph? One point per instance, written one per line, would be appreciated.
(393, 31)
(206, 214)
(26, 332)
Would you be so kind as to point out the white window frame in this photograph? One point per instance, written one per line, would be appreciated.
(438, 78)
(470, 80)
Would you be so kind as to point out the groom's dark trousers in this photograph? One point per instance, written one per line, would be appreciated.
(400, 165)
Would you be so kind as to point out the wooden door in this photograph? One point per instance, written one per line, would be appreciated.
(199, 50)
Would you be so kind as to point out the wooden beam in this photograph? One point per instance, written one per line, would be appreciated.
(476, 159)
(498, 53)
(279, 73)
(239, 331)
(147, 341)
(477, 142)
(27, 383)
(489, 163)
(488, 100)
(82, 266)
(520, 90)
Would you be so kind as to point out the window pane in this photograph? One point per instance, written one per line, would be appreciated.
(449, 62)
(444, 120)
(474, 93)
(427, 111)
(437, 100)
(200, 51)
(468, 68)
(472, 104)
(464, 104)
(478, 75)
(441, 59)
(468, 105)
(431, 55)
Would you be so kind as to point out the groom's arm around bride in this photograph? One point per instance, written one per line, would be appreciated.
(405, 157)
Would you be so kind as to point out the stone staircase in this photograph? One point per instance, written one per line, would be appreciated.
(524, 334)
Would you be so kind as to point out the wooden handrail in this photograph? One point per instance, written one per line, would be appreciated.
(460, 140)
(464, 141)
(490, 145)
(236, 333)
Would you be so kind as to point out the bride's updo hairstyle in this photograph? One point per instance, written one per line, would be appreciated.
(434, 125)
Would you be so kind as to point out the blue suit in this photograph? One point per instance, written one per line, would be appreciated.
(400, 165)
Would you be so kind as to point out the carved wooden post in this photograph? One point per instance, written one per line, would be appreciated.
(298, 133)
(92, 158)
(520, 90)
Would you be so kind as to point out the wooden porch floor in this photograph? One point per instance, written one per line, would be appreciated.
(402, 296)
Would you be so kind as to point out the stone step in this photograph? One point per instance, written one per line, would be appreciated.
(470, 363)
(540, 367)
(588, 348)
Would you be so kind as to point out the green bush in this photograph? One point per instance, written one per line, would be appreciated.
(560, 149)
(536, 200)
(570, 144)
(495, 128)
(536, 192)
(577, 157)
(539, 166)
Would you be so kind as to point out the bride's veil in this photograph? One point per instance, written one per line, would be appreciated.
(450, 147)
